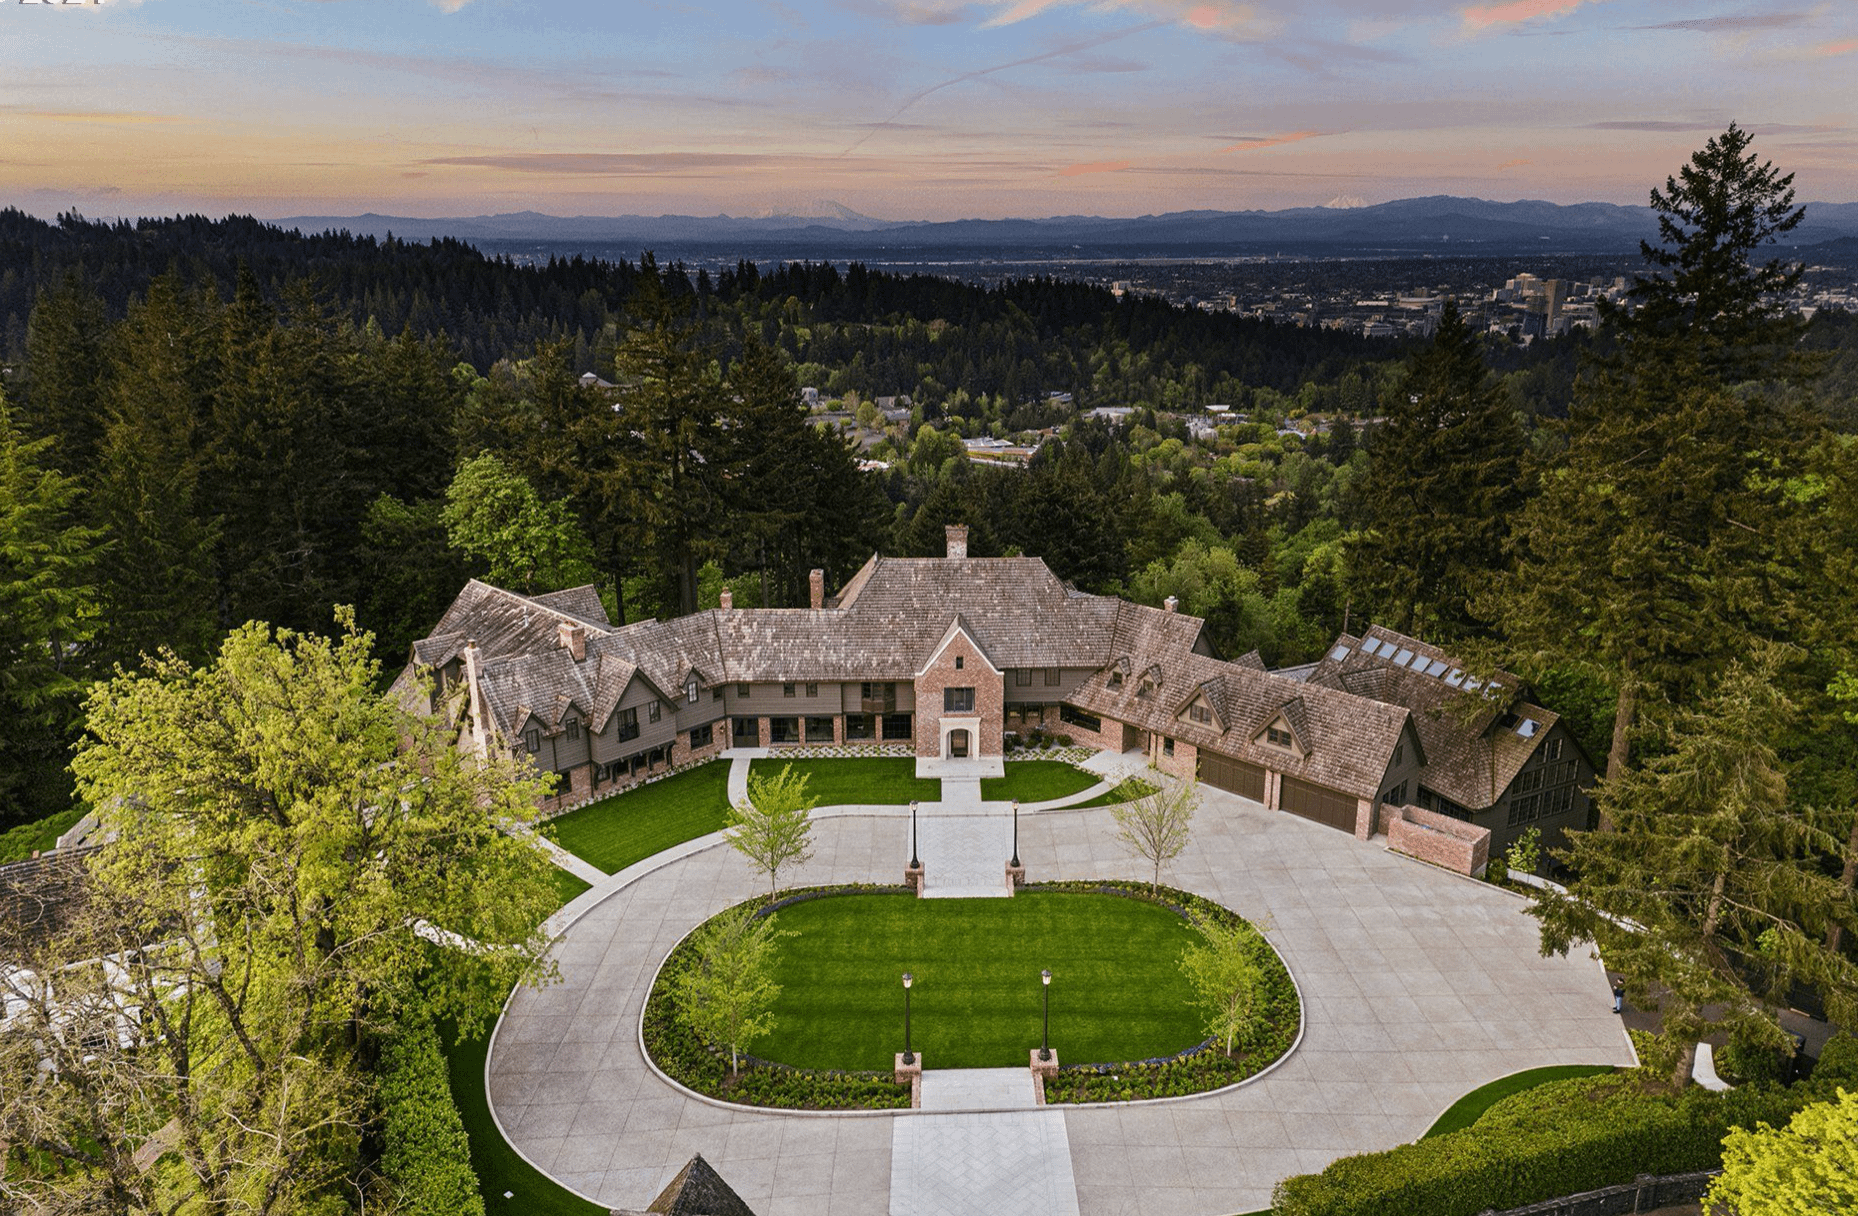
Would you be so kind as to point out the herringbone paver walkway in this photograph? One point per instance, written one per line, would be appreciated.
(1015, 1164)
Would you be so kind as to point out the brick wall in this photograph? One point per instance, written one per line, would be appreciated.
(1183, 763)
(1109, 739)
(1440, 839)
(989, 698)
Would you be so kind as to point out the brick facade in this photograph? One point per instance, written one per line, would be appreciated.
(1440, 839)
(974, 671)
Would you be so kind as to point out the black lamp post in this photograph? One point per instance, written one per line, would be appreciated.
(909, 1057)
(915, 861)
(1015, 862)
(1045, 1037)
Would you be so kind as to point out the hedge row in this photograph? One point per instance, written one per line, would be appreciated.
(426, 1156)
(1558, 1139)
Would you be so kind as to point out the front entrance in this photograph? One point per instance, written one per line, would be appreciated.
(745, 732)
(1132, 738)
(958, 745)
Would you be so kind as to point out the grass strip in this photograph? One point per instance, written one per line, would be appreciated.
(1468, 1109)
(862, 780)
(616, 832)
(1037, 781)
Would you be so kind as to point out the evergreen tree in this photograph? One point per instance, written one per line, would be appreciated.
(1443, 483)
(156, 576)
(1645, 560)
(48, 611)
(67, 369)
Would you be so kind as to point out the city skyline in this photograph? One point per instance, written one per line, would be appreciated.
(900, 109)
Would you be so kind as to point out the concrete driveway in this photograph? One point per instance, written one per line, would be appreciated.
(1418, 986)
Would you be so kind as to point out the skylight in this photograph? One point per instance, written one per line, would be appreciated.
(1527, 728)
(1437, 668)
(1371, 646)
(1403, 658)
(1456, 677)
(1339, 653)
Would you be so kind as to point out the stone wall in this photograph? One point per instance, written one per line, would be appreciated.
(1446, 842)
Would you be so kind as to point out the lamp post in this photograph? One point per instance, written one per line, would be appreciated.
(1045, 1037)
(909, 1057)
(915, 861)
(1015, 861)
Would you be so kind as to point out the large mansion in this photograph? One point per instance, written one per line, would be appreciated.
(950, 655)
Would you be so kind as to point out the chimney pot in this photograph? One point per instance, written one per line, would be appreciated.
(957, 540)
(573, 639)
(816, 583)
(728, 599)
(1172, 604)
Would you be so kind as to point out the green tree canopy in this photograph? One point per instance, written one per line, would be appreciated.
(494, 515)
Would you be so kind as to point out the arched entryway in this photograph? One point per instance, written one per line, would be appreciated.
(958, 745)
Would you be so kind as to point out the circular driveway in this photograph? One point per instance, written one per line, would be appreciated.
(1418, 986)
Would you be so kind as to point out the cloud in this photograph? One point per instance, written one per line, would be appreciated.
(100, 117)
(1731, 23)
(1227, 17)
(909, 12)
(1512, 12)
(1252, 145)
(759, 76)
(1828, 49)
(1101, 166)
(1512, 164)
(449, 6)
(650, 164)
(1657, 126)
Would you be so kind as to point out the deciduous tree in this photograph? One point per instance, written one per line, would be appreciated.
(1811, 1165)
(1156, 828)
(1226, 972)
(727, 993)
(773, 826)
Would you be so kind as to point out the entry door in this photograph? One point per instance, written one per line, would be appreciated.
(1132, 738)
(958, 744)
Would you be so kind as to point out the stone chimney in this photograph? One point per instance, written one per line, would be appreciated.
(728, 600)
(573, 637)
(957, 540)
(480, 726)
(1172, 604)
(816, 585)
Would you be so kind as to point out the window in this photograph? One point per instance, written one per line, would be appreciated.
(1199, 712)
(1073, 716)
(690, 691)
(812, 690)
(783, 730)
(957, 700)
(958, 662)
(1552, 750)
(1051, 677)
(1167, 747)
(1396, 796)
(716, 693)
(628, 724)
(532, 740)
(1277, 737)
(741, 690)
(819, 730)
(897, 726)
(574, 730)
(1116, 679)
(787, 690)
(1399, 754)
(1022, 677)
(860, 726)
(702, 736)
(652, 711)
(878, 698)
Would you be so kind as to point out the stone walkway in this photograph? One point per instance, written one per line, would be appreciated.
(1016, 1164)
(973, 1089)
(1418, 986)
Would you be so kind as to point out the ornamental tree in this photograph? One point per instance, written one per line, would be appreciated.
(773, 827)
(1156, 828)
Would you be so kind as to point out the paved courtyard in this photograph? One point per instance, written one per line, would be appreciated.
(1418, 986)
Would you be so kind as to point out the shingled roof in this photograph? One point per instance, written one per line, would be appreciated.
(698, 1190)
(41, 898)
(1467, 726)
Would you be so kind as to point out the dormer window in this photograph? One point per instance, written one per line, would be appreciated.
(1199, 712)
(532, 740)
(1277, 736)
(690, 690)
(574, 730)
(1116, 679)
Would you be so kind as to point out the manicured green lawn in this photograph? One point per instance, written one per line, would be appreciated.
(1128, 791)
(1466, 1110)
(496, 1164)
(1037, 781)
(1117, 989)
(567, 885)
(872, 780)
(618, 831)
(20, 842)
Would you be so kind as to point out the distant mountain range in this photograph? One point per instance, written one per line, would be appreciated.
(1441, 224)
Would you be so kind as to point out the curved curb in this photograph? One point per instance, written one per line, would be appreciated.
(1060, 1107)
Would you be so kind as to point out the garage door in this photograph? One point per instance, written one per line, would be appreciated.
(1318, 803)
(1245, 780)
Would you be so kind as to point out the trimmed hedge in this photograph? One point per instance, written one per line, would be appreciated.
(1558, 1139)
(426, 1156)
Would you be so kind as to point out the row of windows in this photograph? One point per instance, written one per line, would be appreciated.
(1533, 779)
(1440, 803)
(1531, 807)
(1022, 676)
(1074, 716)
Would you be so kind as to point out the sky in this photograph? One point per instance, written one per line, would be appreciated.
(899, 109)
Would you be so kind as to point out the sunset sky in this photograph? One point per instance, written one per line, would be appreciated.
(902, 109)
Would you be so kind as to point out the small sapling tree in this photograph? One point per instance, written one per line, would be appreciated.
(773, 828)
(1156, 828)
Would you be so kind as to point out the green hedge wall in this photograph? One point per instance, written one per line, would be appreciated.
(426, 1156)
(1558, 1139)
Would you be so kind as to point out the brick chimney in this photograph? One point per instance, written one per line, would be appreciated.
(480, 727)
(816, 586)
(1172, 604)
(728, 599)
(573, 637)
(957, 540)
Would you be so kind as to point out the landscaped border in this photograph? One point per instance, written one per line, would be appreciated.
(1194, 1073)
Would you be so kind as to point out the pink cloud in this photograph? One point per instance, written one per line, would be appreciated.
(1101, 166)
(1484, 16)
(1843, 47)
(1511, 164)
(1249, 145)
(1224, 16)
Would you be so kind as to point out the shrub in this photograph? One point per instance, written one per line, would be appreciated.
(426, 1156)
(1758, 1050)
(1557, 1139)
(1838, 1061)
